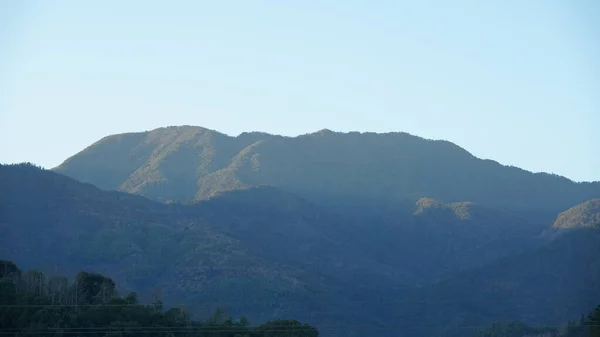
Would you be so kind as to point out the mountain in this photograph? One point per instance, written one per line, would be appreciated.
(276, 261)
(270, 252)
(420, 243)
(189, 163)
(544, 287)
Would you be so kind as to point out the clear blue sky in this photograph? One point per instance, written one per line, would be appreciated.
(517, 81)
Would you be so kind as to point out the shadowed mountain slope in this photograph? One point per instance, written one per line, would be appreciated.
(273, 259)
(545, 287)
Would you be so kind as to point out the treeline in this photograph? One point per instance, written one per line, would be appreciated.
(586, 326)
(32, 305)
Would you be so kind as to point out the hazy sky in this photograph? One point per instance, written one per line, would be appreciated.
(517, 81)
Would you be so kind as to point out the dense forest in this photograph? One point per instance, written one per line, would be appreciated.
(32, 304)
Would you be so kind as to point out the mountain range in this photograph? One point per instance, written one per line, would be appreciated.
(350, 232)
(190, 163)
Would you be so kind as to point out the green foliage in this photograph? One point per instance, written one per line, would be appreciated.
(90, 306)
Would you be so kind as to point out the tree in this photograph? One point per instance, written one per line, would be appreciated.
(32, 306)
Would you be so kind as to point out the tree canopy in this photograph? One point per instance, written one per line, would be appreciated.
(33, 305)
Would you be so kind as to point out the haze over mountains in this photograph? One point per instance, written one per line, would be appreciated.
(348, 231)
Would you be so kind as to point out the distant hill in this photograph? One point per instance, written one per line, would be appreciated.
(189, 163)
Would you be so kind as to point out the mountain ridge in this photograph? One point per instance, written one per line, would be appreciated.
(250, 134)
(187, 163)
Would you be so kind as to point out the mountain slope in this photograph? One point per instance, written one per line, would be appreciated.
(95, 226)
(164, 164)
(187, 163)
(544, 287)
(269, 252)
(439, 238)
(274, 261)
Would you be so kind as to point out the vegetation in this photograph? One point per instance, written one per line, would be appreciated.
(32, 304)
(586, 214)
(515, 329)
(343, 265)
(188, 163)
(278, 260)
(587, 326)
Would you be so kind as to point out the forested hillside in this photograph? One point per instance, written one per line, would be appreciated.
(547, 286)
(187, 163)
(187, 252)
(270, 254)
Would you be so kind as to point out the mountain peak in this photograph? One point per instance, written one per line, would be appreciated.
(322, 132)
